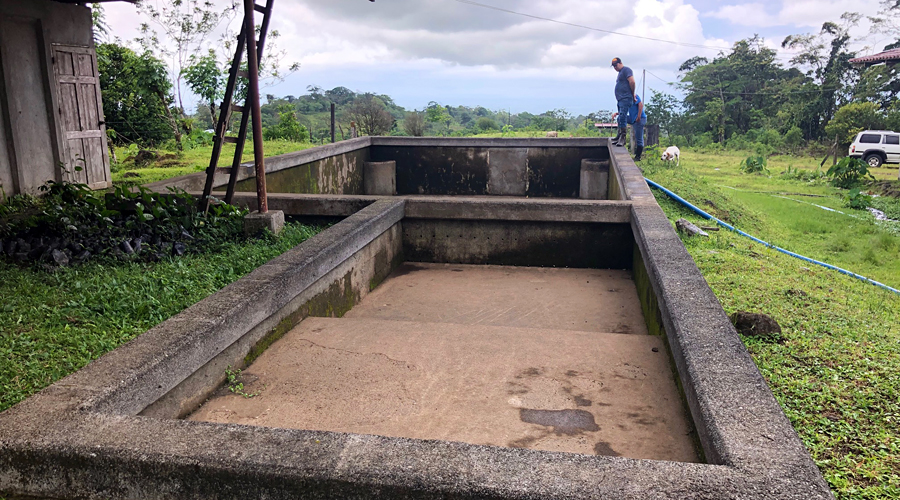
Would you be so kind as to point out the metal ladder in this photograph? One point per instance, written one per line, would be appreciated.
(229, 107)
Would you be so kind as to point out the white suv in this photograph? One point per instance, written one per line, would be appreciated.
(876, 147)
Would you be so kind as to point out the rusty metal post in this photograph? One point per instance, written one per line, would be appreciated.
(255, 114)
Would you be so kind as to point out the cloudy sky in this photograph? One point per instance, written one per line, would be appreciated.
(457, 52)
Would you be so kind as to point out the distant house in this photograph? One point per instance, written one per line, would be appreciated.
(51, 113)
(889, 57)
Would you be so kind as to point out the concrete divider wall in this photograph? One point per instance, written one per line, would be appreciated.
(431, 166)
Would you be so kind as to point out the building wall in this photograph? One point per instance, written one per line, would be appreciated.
(33, 147)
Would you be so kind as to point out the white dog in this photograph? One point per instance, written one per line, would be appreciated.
(672, 153)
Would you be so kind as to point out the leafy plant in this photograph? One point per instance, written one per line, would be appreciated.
(755, 165)
(857, 200)
(235, 383)
(849, 172)
(71, 222)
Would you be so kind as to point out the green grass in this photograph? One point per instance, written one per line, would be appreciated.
(837, 372)
(851, 239)
(52, 324)
(172, 164)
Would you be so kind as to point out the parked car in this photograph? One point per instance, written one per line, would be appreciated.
(876, 147)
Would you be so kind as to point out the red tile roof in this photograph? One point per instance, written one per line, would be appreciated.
(886, 56)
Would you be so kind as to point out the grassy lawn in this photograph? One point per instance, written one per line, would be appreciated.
(171, 164)
(52, 324)
(837, 371)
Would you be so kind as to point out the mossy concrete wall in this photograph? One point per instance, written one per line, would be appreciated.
(340, 174)
(471, 169)
(518, 243)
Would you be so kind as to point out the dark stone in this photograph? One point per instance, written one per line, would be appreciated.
(59, 258)
(2, 246)
(178, 248)
(82, 256)
(37, 252)
(22, 246)
(136, 244)
(21, 256)
(54, 243)
(756, 325)
(126, 247)
(11, 247)
(186, 235)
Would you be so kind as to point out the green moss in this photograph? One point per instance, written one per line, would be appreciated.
(649, 303)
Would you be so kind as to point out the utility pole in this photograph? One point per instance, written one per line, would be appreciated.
(644, 87)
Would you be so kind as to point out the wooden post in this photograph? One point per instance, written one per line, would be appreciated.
(835, 149)
(652, 135)
(332, 122)
(256, 115)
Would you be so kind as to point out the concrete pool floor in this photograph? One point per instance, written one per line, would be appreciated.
(540, 358)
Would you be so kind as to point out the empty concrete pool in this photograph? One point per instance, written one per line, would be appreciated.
(548, 359)
(506, 319)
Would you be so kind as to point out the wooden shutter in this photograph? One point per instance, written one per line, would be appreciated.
(81, 115)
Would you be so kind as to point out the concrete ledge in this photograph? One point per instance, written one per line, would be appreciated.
(739, 422)
(517, 209)
(468, 142)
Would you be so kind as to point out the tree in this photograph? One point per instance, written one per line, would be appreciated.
(827, 59)
(370, 114)
(414, 124)
(136, 95)
(661, 109)
(852, 119)
(207, 80)
(486, 123)
(98, 21)
(437, 114)
(288, 127)
(186, 25)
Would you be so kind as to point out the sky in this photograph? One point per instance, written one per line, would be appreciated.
(456, 52)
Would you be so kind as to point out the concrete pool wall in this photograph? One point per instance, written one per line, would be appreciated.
(111, 430)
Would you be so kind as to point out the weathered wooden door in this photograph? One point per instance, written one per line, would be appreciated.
(81, 116)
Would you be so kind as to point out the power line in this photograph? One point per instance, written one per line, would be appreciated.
(684, 44)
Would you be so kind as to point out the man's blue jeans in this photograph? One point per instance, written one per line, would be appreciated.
(638, 133)
(624, 106)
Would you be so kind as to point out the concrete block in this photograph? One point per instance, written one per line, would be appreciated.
(507, 171)
(254, 222)
(594, 180)
(380, 178)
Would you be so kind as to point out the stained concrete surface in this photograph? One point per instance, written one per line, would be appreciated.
(589, 300)
(516, 357)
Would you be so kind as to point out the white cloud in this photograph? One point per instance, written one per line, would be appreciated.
(801, 14)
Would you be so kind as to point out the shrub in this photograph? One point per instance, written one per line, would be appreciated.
(485, 123)
(288, 127)
(857, 200)
(793, 139)
(849, 172)
(72, 223)
(755, 165)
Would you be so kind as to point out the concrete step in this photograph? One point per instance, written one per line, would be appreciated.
(558, 390)
(593, 300)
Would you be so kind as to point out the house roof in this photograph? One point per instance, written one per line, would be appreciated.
(888, 56)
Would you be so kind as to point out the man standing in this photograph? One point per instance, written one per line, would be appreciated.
(624, 96)
(636, 118)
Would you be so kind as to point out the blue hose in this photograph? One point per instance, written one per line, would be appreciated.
(705, 215)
